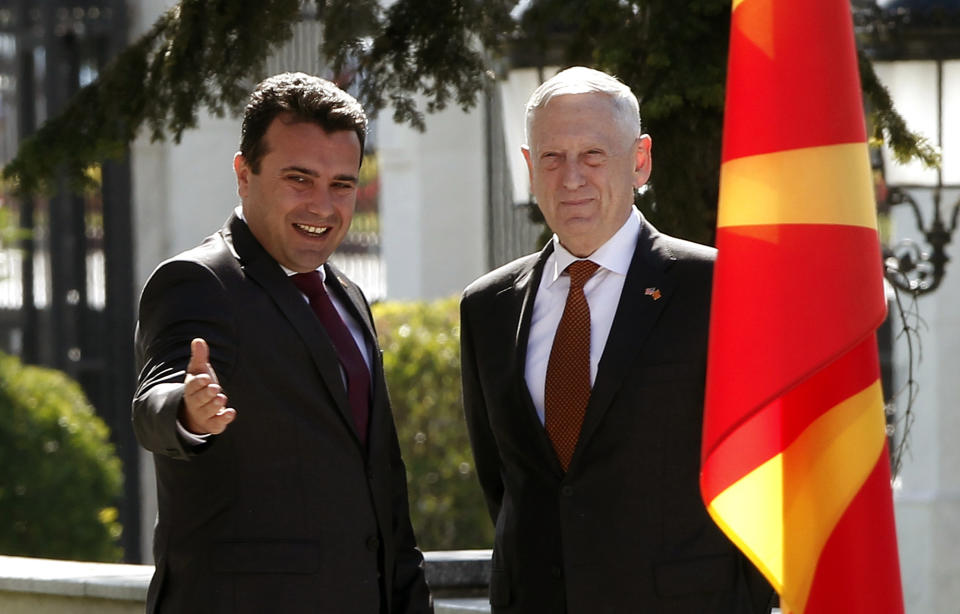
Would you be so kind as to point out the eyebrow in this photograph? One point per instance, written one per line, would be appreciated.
(312, 173)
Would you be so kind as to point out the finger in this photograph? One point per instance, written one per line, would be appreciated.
(192, 384)
(199, 357)
(217, 423)
(205, 403)
(197, 416)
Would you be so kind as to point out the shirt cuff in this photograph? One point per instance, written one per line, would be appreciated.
(191, 438)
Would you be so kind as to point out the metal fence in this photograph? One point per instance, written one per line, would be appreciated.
(66, 279)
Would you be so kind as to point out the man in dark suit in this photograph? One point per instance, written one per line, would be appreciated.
(261, 390)
(583, 382)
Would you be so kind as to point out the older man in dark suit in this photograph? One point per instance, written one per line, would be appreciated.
(583, 381)
(261, 390)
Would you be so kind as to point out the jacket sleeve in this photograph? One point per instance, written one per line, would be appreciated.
(486, 455)
(181, 301)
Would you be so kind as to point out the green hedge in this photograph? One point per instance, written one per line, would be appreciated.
(59, 476)
(421, 347)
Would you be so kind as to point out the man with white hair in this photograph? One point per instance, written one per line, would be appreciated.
(583, 384)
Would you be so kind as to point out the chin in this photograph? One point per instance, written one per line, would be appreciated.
(579, 230)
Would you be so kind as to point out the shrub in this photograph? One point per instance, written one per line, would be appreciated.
(59, 476)
(421, 346)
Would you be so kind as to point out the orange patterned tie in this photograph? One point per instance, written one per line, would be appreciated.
(568, 370)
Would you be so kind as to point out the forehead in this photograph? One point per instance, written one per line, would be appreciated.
(584, 116)
(285, 138)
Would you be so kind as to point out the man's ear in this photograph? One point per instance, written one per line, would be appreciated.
(242, 170)
(525, 150)
(644, 160)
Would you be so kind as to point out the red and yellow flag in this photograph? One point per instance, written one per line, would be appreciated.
(795, 464)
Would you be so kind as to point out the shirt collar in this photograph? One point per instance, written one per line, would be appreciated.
(322, 270)
(615, 255)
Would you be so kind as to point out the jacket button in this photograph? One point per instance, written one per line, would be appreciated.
(373, 543)
(567, 491)
(555, 571)
(370, 474)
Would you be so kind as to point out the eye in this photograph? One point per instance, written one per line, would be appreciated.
(550, 159)
(594, 157)
(342, 185)
(297, 179)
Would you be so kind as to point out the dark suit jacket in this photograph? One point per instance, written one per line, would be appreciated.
(625, 529)
(285, 511)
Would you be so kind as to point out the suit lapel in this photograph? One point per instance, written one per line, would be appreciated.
(260, 267)
(350, 296)
(635, 318)
(525, 289)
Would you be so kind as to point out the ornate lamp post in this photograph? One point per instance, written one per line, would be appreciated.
(916, 50)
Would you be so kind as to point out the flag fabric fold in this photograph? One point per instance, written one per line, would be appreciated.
(795, 462)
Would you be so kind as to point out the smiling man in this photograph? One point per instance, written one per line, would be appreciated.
(261, 390)
(583, 380)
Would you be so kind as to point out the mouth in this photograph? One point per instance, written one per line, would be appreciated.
(311, 231)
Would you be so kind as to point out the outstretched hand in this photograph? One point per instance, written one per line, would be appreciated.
(204, 409)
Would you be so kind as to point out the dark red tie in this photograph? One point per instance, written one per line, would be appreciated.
(358, 376)
(567, 390)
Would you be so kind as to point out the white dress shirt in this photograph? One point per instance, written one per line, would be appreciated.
(356, 331)
(602, 291)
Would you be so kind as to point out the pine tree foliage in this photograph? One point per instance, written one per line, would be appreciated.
(423, 55)
(434, 48)
(197, 54)
(205, 53)
(888, 125)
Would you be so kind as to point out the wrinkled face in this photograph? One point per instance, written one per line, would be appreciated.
(583, 169)
(300, 204)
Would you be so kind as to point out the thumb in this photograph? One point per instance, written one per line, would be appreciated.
(199, 357)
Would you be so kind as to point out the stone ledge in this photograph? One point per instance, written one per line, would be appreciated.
(461, 605)
(458, 580)
(458, 573)
(75, 578)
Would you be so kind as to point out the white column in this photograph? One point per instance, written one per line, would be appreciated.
(433, 203)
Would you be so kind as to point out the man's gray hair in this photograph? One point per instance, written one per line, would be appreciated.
(582, 80)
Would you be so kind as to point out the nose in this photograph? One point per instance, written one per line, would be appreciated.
(572, 176)
(318, 201)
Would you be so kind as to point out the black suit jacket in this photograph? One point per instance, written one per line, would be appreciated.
(625, 529)
(285, 511)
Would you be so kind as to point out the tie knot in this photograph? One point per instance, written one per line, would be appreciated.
(580, 271)
(309, 283)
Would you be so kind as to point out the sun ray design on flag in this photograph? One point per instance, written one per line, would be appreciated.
(795, 463)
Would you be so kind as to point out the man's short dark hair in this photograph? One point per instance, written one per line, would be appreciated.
(304, 98)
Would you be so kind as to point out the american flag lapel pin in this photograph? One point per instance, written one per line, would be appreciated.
(654, 292)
